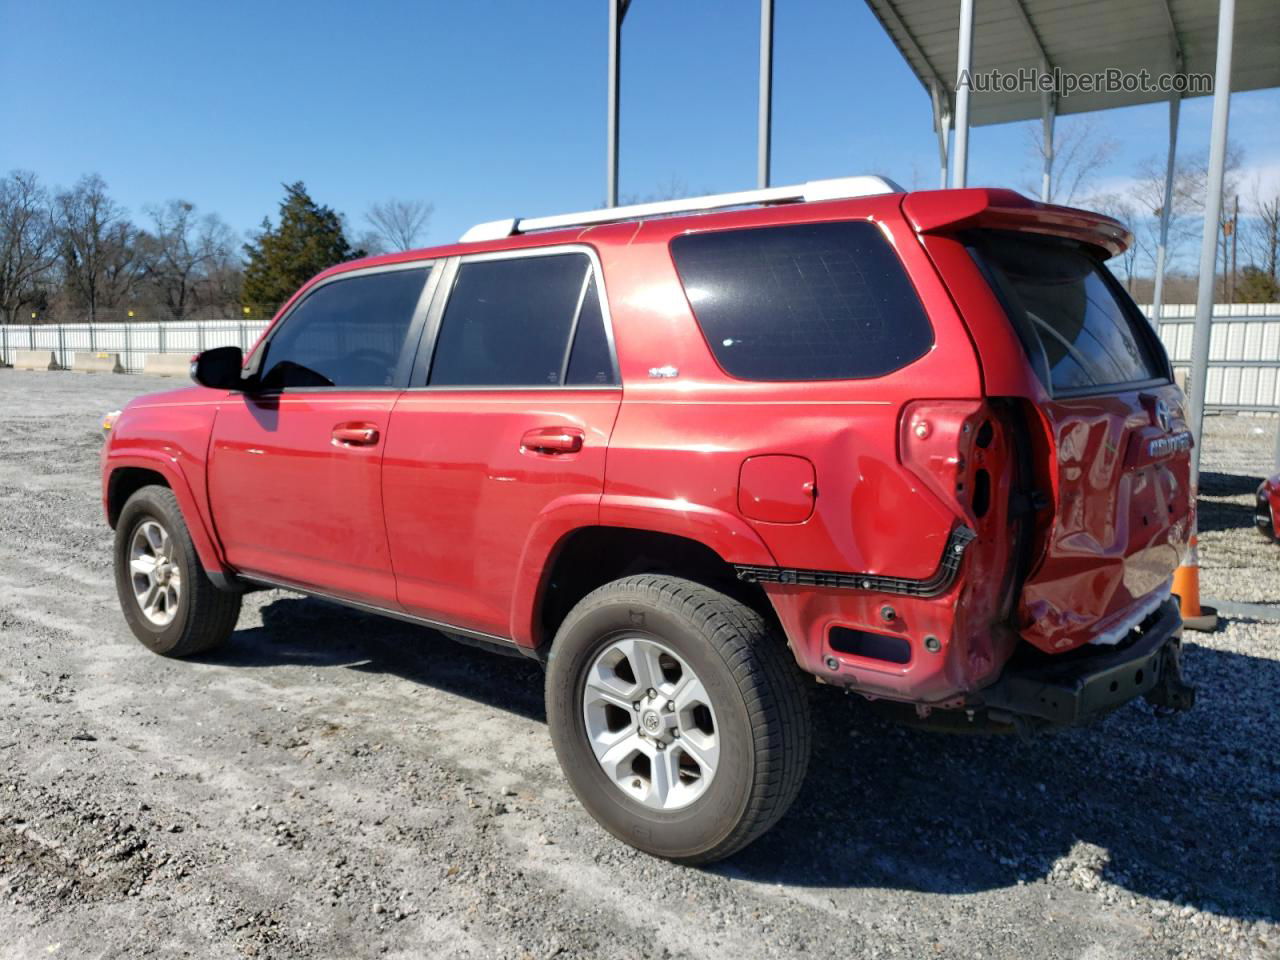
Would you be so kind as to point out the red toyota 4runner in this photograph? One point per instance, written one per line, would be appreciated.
(921, 446)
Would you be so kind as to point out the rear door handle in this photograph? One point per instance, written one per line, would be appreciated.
(552, 441)
(355, 435)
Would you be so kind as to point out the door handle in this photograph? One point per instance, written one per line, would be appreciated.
(552, 441)
(355, 435)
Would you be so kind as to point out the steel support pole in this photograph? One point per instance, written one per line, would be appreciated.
(1048, 113)
(764, 125)
(1212, 217)
(964, 68)
(941, 124)
(615, 64)
(1166, 209)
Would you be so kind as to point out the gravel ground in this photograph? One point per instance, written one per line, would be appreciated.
(333, 785)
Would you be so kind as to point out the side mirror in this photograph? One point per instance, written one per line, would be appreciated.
(219, 368)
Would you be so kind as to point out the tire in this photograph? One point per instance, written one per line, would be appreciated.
(1264, 517)
(756, 705)
(202, 616)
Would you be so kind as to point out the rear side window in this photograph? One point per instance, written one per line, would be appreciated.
(1071, 315)
(345, 333)
(510, 322)
(590, 360)
(818, 301)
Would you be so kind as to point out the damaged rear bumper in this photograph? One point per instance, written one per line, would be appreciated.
(1072, 687)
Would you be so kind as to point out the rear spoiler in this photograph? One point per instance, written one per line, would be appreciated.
(944, 211)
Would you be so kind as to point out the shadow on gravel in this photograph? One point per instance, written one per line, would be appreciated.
(1185, 808)
(1216, 514)
(1181, 808)
(1214, 484)
(313, 633)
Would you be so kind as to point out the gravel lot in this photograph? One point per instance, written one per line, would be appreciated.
(333, 785)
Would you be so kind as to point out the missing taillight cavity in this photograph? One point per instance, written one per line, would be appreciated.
(986, 433)
(981, 493)
(873, 646)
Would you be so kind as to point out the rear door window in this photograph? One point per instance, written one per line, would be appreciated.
(510, 322)
(1079, 327)
(816, 301)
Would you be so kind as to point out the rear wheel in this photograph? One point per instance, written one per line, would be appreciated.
(679, 719)
(168, 601)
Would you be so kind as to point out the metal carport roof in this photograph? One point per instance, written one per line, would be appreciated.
(1080, 37)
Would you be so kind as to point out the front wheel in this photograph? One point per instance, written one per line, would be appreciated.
(168, 601)
(678, 717)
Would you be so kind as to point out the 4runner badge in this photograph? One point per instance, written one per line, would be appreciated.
(1167, 446)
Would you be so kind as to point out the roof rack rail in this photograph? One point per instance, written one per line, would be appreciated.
(841, 188)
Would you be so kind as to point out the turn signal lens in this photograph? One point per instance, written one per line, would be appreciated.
(109, 421)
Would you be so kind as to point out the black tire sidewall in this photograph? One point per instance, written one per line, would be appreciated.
(684, 833)
(143, 506)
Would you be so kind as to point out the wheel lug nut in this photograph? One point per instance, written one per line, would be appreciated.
(636, 706)
(652, 693)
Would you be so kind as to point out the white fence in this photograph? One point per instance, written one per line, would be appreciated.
(1244, 350)
(133, 341)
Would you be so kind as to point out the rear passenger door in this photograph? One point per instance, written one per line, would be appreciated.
(505, 424)
(295, 466)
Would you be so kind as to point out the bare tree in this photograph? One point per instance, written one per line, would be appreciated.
(96, 245)
(400, 224)
(27, 249)
(1080, 153)
(1123, 208)
(180, 254)
(1263, 236)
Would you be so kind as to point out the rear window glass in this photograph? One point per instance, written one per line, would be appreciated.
(1069, 312)
(817, 301)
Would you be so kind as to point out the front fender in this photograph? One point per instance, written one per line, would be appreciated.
(166, 463)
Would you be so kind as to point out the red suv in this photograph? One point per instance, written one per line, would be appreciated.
(921, 446)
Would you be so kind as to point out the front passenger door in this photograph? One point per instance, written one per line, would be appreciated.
(295, 467)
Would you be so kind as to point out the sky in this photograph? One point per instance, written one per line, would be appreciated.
(492, 109)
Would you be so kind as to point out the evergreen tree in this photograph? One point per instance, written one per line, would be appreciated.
(281, 259)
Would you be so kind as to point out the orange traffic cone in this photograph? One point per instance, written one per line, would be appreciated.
(1186, 586)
